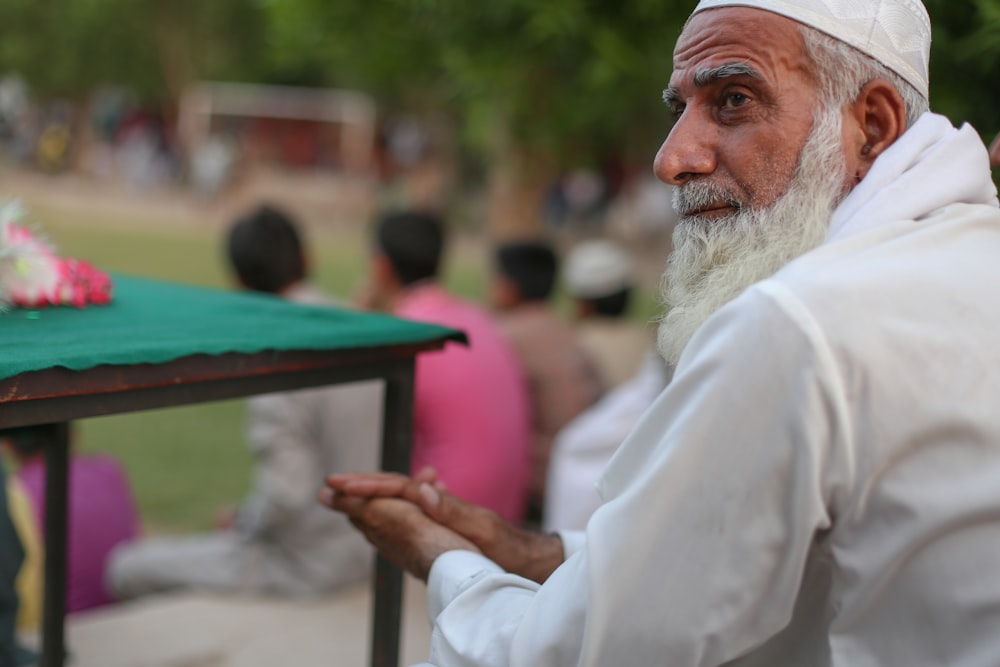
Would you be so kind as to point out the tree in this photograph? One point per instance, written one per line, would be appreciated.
(67, 48)
(537, 86)
(965, 62)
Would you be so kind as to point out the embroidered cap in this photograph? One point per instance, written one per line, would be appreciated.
(896, 33)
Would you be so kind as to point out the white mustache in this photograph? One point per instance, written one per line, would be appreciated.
(696, 196)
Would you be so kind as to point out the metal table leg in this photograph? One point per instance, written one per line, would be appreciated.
(56, 494)
(397, 433)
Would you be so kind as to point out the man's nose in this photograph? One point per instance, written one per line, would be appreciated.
(688, 151)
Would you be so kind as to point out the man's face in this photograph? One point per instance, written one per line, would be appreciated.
(759, 163)
(744, 99)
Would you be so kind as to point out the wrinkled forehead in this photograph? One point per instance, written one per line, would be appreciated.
(738, 40)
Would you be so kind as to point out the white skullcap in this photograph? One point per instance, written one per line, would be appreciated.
(596, 269)
(896, 33)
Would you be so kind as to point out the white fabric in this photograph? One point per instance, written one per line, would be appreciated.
(584, 446)
(896, 187)
(818, 486)
(896, 33)
(597, 268)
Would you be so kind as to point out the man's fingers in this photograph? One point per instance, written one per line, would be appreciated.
(426, 474)
(340, 480)
(352, 506)
(375, 488)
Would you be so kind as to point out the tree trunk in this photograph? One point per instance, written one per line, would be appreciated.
(174, 49)
(516, 185)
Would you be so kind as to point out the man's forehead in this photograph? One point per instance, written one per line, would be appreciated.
(735, 42)
(896, 33)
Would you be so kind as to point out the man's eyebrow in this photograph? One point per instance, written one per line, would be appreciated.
(672, 95)
(708, 75)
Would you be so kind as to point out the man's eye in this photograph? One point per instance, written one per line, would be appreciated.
(734, 100)
(676, 109)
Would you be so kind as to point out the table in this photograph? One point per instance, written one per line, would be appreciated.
(162, 344)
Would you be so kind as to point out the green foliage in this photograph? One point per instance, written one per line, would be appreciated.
(566, 77)
(965, 62)
(69, 47)
(569, 78)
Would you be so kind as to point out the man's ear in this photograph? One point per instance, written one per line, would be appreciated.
(872, 123)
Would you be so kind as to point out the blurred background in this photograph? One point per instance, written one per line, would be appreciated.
(135, 130)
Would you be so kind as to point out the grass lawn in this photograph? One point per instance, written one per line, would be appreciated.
(185, 463)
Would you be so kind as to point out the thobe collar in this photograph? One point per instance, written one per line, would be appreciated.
(932, 165)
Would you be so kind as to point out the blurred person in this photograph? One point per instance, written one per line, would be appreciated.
(820, 483)
(213, 163)
(654, 209)
(581, 450)
(598, 275)
(12, 654)
(30, 579)
(562, 380)
(471, 407)
(278, 541)
(102, 511)
(266, 254)
(995, 152)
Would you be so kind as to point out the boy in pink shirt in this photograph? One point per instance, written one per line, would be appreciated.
(471, 411)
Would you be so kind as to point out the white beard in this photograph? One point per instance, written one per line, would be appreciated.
(715, 260)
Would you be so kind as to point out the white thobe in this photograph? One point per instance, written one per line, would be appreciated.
(820, 484)
(584, 446)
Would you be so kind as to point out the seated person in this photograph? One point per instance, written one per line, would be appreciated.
(102, 512)
(562, 380)
(30, 579)
(12, 654)
(471, 412)
(598, 275)
(277, 542)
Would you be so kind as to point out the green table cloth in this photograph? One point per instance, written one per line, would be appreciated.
(151, 321)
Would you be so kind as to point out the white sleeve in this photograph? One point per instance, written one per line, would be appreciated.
(712, 507)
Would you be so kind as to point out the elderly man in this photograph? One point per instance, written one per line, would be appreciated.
(820, 484)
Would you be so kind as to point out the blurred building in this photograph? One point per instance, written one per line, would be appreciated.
(228, 127)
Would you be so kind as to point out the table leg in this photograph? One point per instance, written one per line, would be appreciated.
(397, 433)
(56, 494)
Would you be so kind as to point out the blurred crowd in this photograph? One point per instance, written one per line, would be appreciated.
(111, 136)
(114, 137)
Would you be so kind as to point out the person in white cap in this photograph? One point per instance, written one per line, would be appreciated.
(599, 276)
(820, 483)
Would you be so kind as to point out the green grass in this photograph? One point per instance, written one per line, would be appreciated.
(185, 463)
